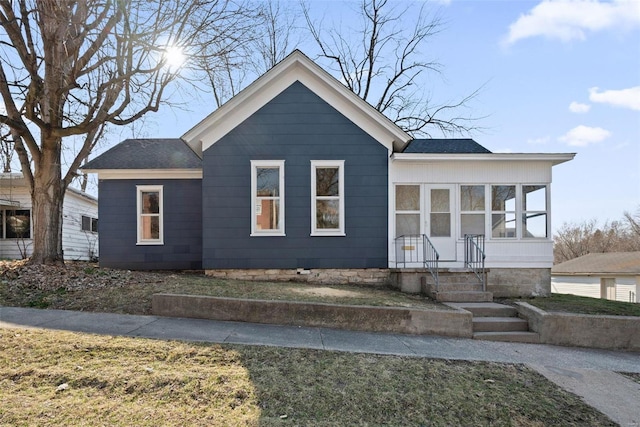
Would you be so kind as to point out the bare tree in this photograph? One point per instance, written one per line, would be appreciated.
(633, 222)
(265, 36)
(6, 148)
(382, 62)
(575, 240)
(68, 67)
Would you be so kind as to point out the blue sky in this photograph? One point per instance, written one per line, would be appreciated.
(558, 76)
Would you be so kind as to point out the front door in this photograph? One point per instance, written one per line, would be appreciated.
(440, 219)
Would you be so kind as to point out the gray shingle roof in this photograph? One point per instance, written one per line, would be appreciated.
(445, 146)
(171, 153)
(611, 262)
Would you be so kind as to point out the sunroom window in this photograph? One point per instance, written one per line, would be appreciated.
(407, 210)
(150, 215)
(267, 195)
(472, 209)
(503, 211)
(534, 211)
(327, 198)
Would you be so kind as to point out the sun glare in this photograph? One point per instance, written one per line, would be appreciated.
(174, 57)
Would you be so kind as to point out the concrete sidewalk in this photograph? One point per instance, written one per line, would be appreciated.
(586, 372)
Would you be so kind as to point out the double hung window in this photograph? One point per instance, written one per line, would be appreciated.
(150, 215)
(472, 209)
(327, 198)
(407, 210)
(267, 195)
(534, 211)
(503, 211)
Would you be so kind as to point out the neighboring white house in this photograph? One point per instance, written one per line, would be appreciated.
(79, 221)
(613, 276)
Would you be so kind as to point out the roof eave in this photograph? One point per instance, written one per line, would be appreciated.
(554, 158)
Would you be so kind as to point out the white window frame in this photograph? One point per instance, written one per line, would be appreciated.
(91, 228)
(255, 164)
(525, 212)
(517, 197)
(408, 212)
(340, 231)
(143, 189)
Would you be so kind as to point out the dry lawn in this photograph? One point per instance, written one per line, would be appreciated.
(85, 286)
(52, 378)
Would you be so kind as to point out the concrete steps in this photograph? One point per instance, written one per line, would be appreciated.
(498, 322)
(455, 286)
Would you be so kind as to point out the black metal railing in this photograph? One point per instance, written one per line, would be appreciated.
(417, 249)
(474, 256)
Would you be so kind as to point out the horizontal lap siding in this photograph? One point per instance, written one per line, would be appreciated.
(182, 207)
(297, 126)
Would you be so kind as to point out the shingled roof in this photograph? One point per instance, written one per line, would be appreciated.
(445, 146)
(622, 263)
(171, 153)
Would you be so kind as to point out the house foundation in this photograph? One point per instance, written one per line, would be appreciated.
(328, 276)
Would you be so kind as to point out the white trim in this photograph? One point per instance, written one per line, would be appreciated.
(146, 173)
(295, 67)
(340, 231)
(149, 188)
(554, 158)
(281, 200)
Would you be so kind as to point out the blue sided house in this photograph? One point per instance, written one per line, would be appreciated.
(297, 178)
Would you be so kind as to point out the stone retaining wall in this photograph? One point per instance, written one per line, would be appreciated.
(368, 276)
(583, 330)
(453, 322)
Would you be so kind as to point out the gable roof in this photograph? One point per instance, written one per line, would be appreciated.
(453, 145)
(295, 67)
(154, 153)
(622, 263)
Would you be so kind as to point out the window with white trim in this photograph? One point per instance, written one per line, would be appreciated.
(89, 224)
(407, 210)
(150, 216)
(267, 198)
(472, 209)
(327, 198)
(535, 215)
(503, 211)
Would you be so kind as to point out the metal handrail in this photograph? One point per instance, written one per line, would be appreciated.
(410, 243)
(474, 256)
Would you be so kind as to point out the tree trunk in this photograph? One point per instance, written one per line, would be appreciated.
(47, 196)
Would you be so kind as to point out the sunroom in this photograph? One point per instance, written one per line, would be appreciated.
(454, 202)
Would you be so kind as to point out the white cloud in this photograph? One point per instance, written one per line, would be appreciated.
(626, 98)
(576, 107)
(539, 141)
(581, 136)
(568, 20)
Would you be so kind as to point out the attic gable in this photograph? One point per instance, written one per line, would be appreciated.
(295, 68)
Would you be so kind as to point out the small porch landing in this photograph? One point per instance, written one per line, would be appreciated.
(455, 284)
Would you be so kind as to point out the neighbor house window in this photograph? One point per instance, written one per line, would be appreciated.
(472, 209)
(267, 196)
(327, 197)
(534, 211)
(89, 224)
(17, 224)
(503, 211)
(407, 210)
(150, 216)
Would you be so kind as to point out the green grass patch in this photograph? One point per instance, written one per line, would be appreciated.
(566, 303)
(53, 378)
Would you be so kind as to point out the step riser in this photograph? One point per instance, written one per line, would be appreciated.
(493, 312)
(507, 324)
